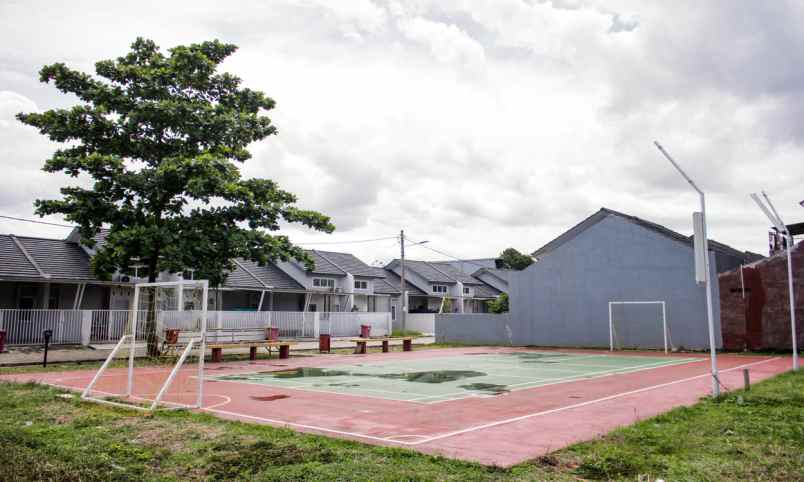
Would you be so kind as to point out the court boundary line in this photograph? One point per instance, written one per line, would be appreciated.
(451, 397)
(390, 440)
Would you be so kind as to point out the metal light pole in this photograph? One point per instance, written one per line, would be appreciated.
(709, 309)
(774, 217)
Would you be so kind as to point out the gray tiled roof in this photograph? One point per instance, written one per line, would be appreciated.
(57, 258)
(334, 263)
(454, 272)
(12, 261)
(503, 274)
(428, 272)
(485, 291)
(249, 274)
(391, 283)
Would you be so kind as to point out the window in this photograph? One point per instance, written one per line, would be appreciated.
(393, 312)
(439, 289)
(313, 307)
(361, 285)
(323, 283)
(465, 290)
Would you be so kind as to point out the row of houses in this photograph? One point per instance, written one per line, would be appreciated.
(39, 273)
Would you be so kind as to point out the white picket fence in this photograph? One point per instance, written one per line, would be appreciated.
(26, 327)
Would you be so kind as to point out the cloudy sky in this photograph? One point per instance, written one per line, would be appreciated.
(476, 125)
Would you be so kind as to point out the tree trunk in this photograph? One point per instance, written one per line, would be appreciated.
(150, 324)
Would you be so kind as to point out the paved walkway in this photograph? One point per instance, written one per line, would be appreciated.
(33, 355)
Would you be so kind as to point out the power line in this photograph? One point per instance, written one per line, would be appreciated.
(442, 253)
(37, 222)
(353, 241)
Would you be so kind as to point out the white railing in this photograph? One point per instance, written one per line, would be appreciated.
(25, 327)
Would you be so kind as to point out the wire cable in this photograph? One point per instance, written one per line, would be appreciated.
(37, 222)
(354, 241)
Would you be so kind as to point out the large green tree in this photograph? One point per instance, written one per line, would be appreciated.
(161, 136)
(512, 259)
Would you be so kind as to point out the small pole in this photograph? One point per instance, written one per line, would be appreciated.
(47, 334)
(404, 296)
(746, 380)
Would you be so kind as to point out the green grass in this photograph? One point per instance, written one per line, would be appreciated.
(755, 435)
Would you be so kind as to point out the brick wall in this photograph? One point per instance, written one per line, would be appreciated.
(760, 318)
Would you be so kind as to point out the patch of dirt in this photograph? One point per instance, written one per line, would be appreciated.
(172, 435)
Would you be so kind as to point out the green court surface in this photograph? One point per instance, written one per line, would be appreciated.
(438, 379)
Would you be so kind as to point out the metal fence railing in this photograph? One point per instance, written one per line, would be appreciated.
(25, 327)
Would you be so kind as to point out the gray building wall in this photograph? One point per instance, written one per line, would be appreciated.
(562, 300)
(475, 329)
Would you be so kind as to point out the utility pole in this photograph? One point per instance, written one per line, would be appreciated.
(404, 294)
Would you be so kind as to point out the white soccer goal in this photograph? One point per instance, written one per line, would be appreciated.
(641, 327)
(165, 359)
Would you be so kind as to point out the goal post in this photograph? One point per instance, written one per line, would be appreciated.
(646, 326)
(171, 316)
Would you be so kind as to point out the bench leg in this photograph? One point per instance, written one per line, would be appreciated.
(217, 355)
(252, 353)
(385, 346)
(284, 351)
(360, 349)
(407, 345)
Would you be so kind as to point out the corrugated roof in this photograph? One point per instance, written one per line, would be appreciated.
(249, 274)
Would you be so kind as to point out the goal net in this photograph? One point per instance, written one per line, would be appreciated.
(159, 360)
(638, 325)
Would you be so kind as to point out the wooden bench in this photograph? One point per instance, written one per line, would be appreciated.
(360, 348)
(220, 338)
(217, 348)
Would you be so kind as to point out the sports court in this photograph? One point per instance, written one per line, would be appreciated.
(491, 405)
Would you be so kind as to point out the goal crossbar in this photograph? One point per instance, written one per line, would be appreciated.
(611, 319)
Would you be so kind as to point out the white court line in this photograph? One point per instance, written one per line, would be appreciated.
(478, 427)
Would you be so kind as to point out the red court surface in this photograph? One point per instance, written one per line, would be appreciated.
(501, 429)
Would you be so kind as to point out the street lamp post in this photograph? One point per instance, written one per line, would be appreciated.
(709, 308)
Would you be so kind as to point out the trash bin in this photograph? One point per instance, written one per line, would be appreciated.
(365, 331)
(272, 333)
(324, 343)
(2, 341)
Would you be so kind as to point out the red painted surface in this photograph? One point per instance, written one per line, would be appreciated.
(501, 430)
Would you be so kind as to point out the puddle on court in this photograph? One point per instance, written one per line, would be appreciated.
(269, 398)
(432, 376)
(540, 357)
(305, 373)
(490, 388)
(435, 376)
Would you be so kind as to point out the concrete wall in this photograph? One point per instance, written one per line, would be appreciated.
(476, 329)
(562, 300)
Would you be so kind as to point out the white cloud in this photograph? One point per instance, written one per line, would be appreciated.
(476, 125)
